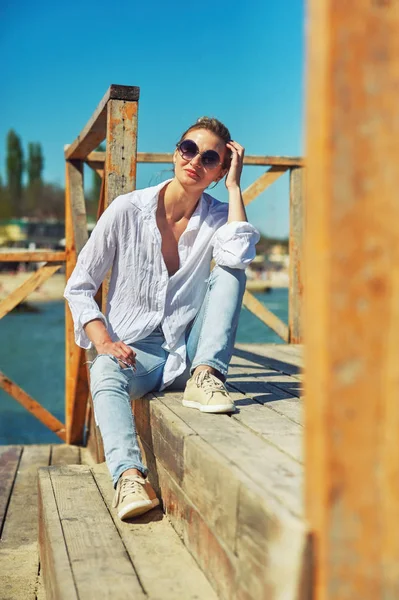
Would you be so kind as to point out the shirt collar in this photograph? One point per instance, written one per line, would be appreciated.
(146, 200)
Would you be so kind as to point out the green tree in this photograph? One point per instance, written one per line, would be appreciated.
(34, 167)
(35, 162)
(5, 204)
(15, 168)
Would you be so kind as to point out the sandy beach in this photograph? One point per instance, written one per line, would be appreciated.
(52, 289)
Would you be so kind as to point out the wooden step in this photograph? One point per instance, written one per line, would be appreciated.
(87, 552)
(232, 485)
(20, 577)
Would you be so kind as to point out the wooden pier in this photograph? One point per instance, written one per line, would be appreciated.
(239, 511)
(231, 523)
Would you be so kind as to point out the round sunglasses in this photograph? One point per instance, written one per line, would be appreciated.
(188, 149)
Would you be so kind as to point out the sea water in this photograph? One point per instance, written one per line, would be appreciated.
(32, 354)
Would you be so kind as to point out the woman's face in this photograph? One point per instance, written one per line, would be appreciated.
(191, 173)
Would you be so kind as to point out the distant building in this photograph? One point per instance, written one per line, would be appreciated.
(12, 232)
(279, 256)
(31, 233)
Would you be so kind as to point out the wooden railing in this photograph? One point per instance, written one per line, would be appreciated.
(53, 262)
(115, 120)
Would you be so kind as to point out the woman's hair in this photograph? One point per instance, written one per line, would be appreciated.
(216, 127)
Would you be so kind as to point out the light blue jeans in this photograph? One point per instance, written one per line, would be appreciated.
(210, 341)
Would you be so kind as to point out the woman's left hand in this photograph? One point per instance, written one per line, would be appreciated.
(237, 159)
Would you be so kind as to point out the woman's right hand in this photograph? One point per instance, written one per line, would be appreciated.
(98, 334)
(124, 353)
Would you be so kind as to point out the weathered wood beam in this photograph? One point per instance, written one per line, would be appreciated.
(28, 286)
(78, 382)
(32, 256)
(262, 183)
(95, 130)
(120, 158)
(32, 406)
(265, 315)
(96, 166)
(352, 298)
(76, 388)
(77, 203)
(95, 159)
(297, 213)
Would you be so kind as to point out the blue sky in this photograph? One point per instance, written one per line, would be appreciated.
(242, 63)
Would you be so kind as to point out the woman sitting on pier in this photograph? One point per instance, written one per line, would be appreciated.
(170, 321)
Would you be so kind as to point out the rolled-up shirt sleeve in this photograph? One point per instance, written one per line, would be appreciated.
(92, 265)
(234, 244)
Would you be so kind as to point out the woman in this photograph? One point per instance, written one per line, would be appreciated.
(169, 322)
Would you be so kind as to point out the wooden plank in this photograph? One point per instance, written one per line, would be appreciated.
(288, 354)
(274, 357)
(97, 166)
(120, 158)
(265, 393)
(276, 428)
(77, 203)
(55, 568)
(96, 552)
(121, 152)
(288, 384)
(94, 441)
(71, 349)
(159, 427)
(101, 200)
(9, 461)
(269, 551)
(273, 550)
(64, 454)
(265, 315)
(77, 400)
(30, 284)
(76, 376)
(212, 555)
(275, 472)
(95, 130)
(262, 183)
(40, 590)
(184, 454)
(70, 249)
(43, 415)
(33, 256)
(274, 161)
(19, 558)
(98, 158)
(352, 290)
(148, 538)
(297, 218)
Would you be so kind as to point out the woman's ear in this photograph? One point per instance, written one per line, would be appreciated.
(223, 173)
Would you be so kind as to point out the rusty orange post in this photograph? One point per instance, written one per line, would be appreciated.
(297, 215)
(352, 298)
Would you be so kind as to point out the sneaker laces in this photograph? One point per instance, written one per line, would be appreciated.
(210, 383)
(130, 484)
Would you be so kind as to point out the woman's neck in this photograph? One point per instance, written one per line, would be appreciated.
(178, 203)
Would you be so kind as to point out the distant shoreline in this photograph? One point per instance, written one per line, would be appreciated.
(50, 290)
(53, 289)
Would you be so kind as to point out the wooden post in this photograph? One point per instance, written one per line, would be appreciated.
(120, 157)
(119, 177)
(352, 298)
(296, 255)
(76, 387)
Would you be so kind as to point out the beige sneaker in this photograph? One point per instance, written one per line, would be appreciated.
(133, 496)
(207, 393)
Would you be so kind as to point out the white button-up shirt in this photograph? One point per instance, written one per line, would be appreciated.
(141, 294)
